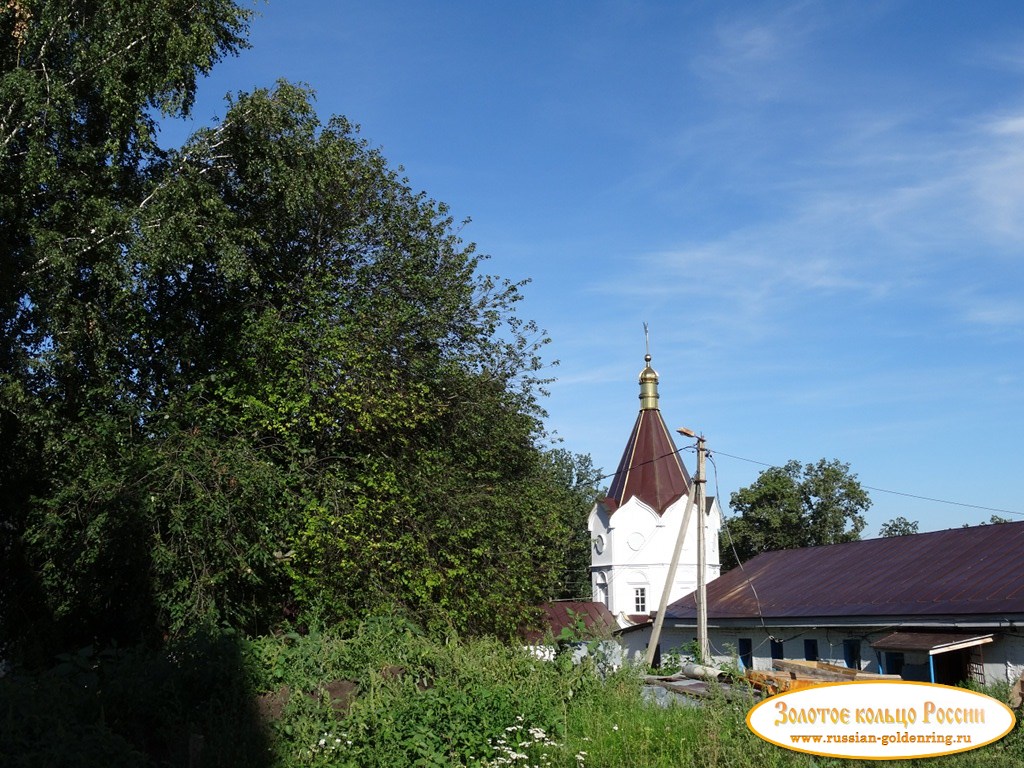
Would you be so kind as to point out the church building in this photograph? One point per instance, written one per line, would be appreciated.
(633, 529)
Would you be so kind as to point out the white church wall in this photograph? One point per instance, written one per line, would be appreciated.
(632, 550)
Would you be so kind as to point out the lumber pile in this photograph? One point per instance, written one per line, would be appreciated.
(791, 675)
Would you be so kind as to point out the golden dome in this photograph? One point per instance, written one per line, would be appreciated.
(648, 386)
(648, 373)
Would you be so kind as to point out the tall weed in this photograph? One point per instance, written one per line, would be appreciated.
(421, 701)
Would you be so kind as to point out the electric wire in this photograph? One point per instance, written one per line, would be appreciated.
(643, 463)
(769, 637)
(895, 493)
(735, 554)
(867, 487)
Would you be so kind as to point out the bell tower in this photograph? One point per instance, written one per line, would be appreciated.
(633, 529)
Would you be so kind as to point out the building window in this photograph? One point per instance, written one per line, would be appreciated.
(746, 652)
(601, 591)
(851, 652)
(893, 663)
(640, 599)
(777, 649)
(811, 650)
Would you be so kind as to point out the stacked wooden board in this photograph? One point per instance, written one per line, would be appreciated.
(791, 675)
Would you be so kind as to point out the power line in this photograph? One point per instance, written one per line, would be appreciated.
(868, 487)
(735, 554)
(895, 493)
(945, 501)
(642, 463)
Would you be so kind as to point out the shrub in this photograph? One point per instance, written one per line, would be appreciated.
(421, 701)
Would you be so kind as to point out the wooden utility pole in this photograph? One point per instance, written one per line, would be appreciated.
(659, 619)
(700, 483)
(697, 499)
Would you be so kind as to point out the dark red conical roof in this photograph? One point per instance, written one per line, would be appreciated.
(650, 468)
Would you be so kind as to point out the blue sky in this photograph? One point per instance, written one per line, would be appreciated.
(818, 208)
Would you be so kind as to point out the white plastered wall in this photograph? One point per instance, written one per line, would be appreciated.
(632, 549)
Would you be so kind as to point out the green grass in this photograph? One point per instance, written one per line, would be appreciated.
(616, 727)
(422, 702)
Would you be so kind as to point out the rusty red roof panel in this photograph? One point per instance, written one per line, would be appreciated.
(977, 570)
(929, 641)
(563, 614)
(650, 468)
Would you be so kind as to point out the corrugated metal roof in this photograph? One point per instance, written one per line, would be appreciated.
(650, 468)
(977, 570)
(933, 642)
(563, 614)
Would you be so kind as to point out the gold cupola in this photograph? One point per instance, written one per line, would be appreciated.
(650, 468)
(648, 386)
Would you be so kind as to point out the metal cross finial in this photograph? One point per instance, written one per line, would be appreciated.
(647, 340)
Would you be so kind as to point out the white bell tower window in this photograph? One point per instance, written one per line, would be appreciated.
(640, 599)
(601, 589)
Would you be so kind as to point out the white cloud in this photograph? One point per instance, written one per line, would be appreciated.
(893, 211)
(755, 56)
(979, 306)
(1007, 125)
(591, 375)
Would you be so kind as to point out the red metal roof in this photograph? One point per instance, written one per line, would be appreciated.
(960, 571)
(563, 614)
(650, 468)
(933, 642)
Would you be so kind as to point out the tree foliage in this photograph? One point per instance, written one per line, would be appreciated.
(898, 526)
(575, 482)
(80, 84)
(254, 378)
(796, 505)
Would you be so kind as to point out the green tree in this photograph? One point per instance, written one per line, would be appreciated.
(575, 487)
(794, 506)
(300, 397)
(345, 327)
(289, 319)
(252, 378)
(898, 526)
(81, 85)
